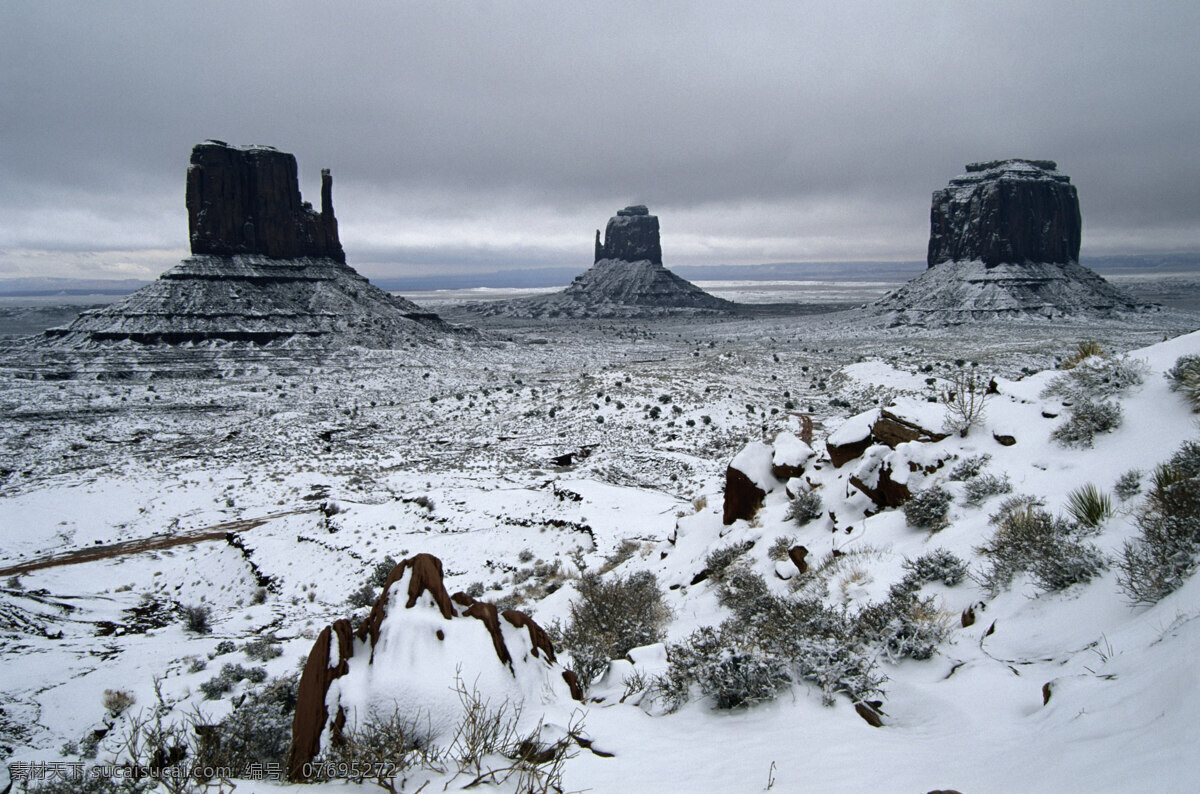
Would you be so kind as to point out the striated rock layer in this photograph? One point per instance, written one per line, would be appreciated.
(1004, 243)
(266, 270)
(627, 280)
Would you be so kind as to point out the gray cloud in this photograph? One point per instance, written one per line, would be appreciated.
(463, 133)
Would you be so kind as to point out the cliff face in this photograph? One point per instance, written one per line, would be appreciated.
(630, 236)
(247, 201)
(1006, 211)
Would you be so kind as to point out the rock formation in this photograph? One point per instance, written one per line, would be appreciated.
(407, 655)
(758, 470)
(1004, 243)
(265, 269)
(247, 201)
(627, 280)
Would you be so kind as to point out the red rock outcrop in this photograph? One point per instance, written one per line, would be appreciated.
(327, 663)
(742, 497)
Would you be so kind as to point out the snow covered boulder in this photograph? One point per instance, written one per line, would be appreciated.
(789, 457)
(409, 656)
(748, 480)
(906, 420)
(851, 439)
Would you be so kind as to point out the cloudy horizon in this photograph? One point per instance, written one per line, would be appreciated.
(475, 137)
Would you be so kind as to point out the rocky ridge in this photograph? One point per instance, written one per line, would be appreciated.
(627, 279)
(1004, 243)
(266, 269)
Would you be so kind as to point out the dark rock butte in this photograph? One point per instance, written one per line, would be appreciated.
(1011, 211)
(247, 201)
(631, 236)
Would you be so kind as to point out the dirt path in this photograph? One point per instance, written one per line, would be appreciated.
(127, 547)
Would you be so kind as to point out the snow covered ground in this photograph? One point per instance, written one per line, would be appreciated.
(459, 452)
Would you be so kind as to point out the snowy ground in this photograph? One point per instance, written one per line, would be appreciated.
(451, 451)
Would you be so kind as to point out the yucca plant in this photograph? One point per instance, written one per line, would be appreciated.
(1089, 505)
(1085, 349)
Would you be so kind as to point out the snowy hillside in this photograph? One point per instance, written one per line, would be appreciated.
(177, 548)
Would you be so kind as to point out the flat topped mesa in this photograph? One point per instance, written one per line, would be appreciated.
(1006, 211)
(631, 236)
(246, 200)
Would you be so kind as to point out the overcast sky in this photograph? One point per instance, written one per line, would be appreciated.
(480, 136)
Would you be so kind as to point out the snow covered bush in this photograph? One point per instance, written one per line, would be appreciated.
(610, 617)
(1030, 539)
(1185, 379)
(969, 467)
(196, 619)
(982, 486)
(363, 597)
(804, 508)
(1087, 419)
(965, 402)
(937, 566)
(117, 701)
(904, 626)
(928, 509)
(228, 678)
(259, 729)
(263, 649)
(770, 642)
(1096, 378)
(1163, 555)
(780, 547)
(1128, 485)
(1089, 506)
(719, 560)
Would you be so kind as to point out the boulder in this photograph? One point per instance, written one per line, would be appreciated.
(748, 480)
(409, 655)
(789, 457)
(247, 201)
(852, 438)
(894, 429)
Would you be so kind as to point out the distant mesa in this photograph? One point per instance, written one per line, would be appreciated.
(266, 269)
(627, 280)
(1004, 242)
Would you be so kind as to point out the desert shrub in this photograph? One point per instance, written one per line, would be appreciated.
(1157, 561)
(525, 556)
(1088, 419)
(1185, 379)
(363, 597)
(928, 509)
(1128, 485)
(382, 570)
(259, 729)
(609, 618)
(770, 642)
(228, 678)
(1096, 379)
(937, 566)
(904, 625)
(1089, 506)
(117, 701)
(1186, 460)
(263, 649)
(965, 402)
(1030, 539)
(196, 619)
(969, 467)
(804, 508)
(719, 560)
(1083, 350)
(197, 666)
(982, 486)
(780, 547)
(627, 548)
(475, 590)
(224, 647)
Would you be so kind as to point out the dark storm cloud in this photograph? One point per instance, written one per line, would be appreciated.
(507, 132)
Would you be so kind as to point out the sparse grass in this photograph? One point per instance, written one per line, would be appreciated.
(117, 701)
(1084, 350)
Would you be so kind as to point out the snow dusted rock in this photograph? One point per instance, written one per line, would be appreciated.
(906, 420)
(852, 438)
(748, 480)
(627, 280)
(789, 457)
(1004, 243)
(406, 655)
(266, 269)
